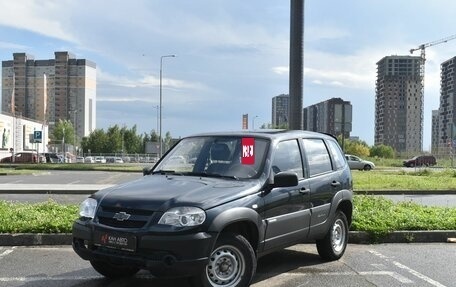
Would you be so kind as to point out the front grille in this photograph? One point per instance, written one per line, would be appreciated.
(138, 217)
(121, 224)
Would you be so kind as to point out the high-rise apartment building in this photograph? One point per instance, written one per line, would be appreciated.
(280, 110)
(446, 135)
(333, 116)
(49, 90)
(435, 132)
(399, 104)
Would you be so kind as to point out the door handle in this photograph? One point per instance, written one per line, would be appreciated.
(335, 184)
(304, 190)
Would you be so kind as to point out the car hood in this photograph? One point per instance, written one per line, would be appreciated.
(161, 192)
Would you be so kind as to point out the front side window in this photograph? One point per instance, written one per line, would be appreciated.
(230, 156)
(318, 156)
(287, 157)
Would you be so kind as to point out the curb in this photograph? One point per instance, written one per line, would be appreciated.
(420, 236)
(400, 192)
(52, 188)
(29, 239)
(355, 237)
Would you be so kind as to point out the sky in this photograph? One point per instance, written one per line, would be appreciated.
(232, 56)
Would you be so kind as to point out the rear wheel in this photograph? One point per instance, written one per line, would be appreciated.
(333, 245)
(232, 263)
(113, 271)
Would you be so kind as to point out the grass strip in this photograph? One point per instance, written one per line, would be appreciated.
(373, 214)
(424, 179)
(46, 217)
(379, 216)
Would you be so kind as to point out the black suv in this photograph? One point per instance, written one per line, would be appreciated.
(217, 202)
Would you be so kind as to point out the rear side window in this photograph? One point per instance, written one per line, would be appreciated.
(287, 157)
(336, 152)
(317, 156)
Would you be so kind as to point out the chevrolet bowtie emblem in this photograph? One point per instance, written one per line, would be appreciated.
(121, 216)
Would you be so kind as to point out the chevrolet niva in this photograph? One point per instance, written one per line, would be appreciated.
(217, 202)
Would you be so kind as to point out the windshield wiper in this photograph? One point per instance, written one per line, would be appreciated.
(205, 174)
(165, 172)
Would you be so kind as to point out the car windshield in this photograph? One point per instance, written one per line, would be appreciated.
(233, 157)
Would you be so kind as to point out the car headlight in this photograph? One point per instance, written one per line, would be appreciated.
(183, 216)
(87, 208)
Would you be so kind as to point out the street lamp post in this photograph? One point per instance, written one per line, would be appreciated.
(158, 108)
(160, 132)
(74, 130)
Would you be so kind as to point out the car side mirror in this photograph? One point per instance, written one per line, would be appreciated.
(147, 171)
(285, 179)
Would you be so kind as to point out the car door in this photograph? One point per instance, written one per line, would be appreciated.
(286, 210)
(324, 177)
(354, 162)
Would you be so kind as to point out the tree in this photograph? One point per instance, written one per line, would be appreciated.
(168, 141)
(114, 140)
(383, 151)
(355, 147)
(97, 142)
(63, 132)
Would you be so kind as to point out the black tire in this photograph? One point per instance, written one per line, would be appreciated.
(113, 271)
(333, 245)
(367, 167)
(232, 264)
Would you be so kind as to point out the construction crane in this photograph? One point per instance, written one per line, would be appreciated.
(423, 47)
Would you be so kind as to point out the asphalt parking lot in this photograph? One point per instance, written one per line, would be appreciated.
(362, 265)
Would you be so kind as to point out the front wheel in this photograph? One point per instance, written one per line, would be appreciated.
(367, 167)
(232, 263)
(333, 245)
(113, 271)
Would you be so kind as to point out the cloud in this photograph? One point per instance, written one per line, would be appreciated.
(146, 81)
(37, 16)
(315, 34)
(12, 46)
(281, 70)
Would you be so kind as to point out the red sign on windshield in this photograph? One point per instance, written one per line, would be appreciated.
(248, 151)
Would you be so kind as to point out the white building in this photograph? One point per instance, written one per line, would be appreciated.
(17, 134)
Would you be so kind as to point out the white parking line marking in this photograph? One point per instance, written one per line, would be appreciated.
(408, 269)
(398, 277)
(419, 275)
(6, 252)
(46, 278)
(395, 275)
(64, 278)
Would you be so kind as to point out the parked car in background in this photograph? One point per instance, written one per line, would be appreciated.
(89, 159)
(52, 157)
(23, 157)
(421, 160)
(80, 159)
(100, 159)
(355, 162)
(118, 160)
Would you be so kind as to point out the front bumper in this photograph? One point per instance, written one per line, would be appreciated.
(162, 255)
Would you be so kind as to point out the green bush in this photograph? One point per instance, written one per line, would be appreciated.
(47, 217)
(373, 214)
(380, 216)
